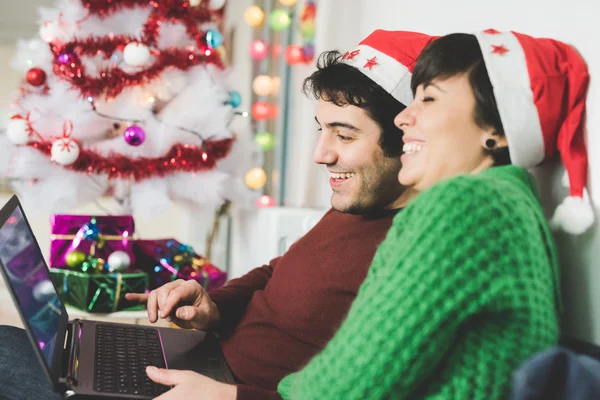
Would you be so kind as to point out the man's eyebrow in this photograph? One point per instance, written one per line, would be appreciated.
(340, 125)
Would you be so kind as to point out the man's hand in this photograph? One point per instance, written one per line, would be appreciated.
(185, 303)
(190, 385)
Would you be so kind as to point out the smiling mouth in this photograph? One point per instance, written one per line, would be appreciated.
(412, 147)
(342, 175)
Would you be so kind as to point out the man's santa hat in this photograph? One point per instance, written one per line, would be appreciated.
(540, 87)
(388, 58)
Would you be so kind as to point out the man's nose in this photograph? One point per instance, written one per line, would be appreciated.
(325, 151)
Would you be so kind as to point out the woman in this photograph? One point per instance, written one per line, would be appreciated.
(465, 286)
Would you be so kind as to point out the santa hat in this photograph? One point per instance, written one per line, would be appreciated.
(540, 87)
(388, 58)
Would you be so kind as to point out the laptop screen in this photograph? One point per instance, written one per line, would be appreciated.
(30, 279)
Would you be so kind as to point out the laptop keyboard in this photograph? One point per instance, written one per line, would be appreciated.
(122, 355)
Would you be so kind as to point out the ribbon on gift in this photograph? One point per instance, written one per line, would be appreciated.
(109, 290)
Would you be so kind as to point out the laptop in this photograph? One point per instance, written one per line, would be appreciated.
(86, 358)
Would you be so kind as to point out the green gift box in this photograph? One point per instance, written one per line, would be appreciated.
(99, 293)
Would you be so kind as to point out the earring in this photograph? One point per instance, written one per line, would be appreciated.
(490, 144)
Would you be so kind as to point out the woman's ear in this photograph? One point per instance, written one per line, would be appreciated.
(492, 141)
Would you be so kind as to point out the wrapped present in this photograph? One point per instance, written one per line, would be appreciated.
(166, 260)
(99, 293)
(75, 238)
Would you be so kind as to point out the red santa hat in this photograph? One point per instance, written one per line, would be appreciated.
(540, 87)
(388, 58)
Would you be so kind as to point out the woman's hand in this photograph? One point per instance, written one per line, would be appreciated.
(190, 385)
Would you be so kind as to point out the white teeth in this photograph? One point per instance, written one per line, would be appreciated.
(412, 147)
(342, 175)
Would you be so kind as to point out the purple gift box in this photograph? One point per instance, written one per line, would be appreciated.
(164, 261)
(102, 234)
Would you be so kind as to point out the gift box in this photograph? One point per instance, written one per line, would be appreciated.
(167, 260)
(99, 293)
(97, 236)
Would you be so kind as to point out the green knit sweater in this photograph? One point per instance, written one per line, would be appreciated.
(462, 290)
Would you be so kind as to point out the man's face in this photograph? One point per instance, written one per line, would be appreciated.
(362, 178)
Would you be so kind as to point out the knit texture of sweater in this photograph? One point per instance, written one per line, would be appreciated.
(463, 289)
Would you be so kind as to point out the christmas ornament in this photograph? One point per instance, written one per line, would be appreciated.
(118, 261)
(258, 50)
(36, 77)
(66, 57)
(216, 4)
(308, 53)
(308, 28)
(136, 54)
(93, 265)
(235, 99)
(293, 54)
(195, 3)
(261, 111)
(44, 291)
(255, 178)
(65, 151)
(275, 84)
(254, 16)
(91, 230)
(265, 201)
(288, 2)
(134, 135)
(265, 140)
(262, 85)
(213, 38)
(17, 130)
(279, 20)
(75, 258)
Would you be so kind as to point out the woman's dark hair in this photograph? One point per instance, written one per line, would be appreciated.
(343, 84)
(456, 54)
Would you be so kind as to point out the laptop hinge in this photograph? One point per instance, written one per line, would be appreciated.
(70, 363)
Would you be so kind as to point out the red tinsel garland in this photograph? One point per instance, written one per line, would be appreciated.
(112, 81)
(180, 158)
(105, 8)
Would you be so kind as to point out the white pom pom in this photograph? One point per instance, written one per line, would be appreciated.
(65, 151)
(136, 54)
(17, 131)
(574, 215)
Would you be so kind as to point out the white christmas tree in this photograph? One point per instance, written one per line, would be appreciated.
(130, 98)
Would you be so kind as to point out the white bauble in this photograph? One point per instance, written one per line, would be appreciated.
(195, 3)
(136, 54)
(216, 4)
(65, 151)
(118, 261)
(17, 131)
(44, 291)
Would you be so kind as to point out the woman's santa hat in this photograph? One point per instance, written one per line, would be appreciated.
(388, 58)
(540, 87)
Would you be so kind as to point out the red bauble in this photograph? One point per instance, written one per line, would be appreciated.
(261, 111)
(36, 77)
(293, 54)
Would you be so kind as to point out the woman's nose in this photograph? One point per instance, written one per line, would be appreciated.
(405, 118)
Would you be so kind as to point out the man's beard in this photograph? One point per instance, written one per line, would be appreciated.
(378, 188)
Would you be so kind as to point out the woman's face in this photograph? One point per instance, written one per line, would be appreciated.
(441, 138)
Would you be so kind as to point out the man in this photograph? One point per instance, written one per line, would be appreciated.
(273, 320)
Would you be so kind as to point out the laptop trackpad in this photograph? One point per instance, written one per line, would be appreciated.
(195, 351)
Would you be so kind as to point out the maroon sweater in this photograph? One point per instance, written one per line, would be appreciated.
(277, 317)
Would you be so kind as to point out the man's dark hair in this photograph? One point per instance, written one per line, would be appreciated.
(343, 84)
(456, 54)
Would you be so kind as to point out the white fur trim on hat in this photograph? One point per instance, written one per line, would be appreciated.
(512, 89)
(389, 73)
